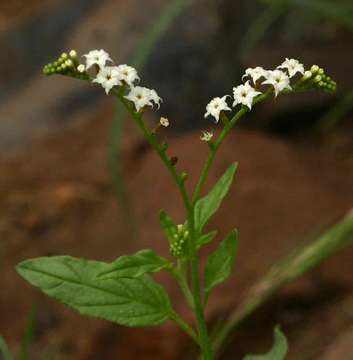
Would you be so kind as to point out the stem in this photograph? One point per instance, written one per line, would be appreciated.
(213, 149)
(204, 340)
(184, 326)
(180, 278)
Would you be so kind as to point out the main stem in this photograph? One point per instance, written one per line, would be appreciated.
(203, 340)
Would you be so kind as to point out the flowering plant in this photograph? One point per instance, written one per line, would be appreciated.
(124, 291)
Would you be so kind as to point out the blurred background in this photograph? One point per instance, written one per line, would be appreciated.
(78, 179)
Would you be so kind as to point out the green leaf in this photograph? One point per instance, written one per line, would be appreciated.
(131, 302)
(132, 266)
(220, 263)
(167, 225)
(205, 239)
(278, 351)
(208, 205)
(4, 350)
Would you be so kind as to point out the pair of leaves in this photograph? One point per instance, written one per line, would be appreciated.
(278, 351)
(76, 282)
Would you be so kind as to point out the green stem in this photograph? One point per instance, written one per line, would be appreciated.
(180, 278)
(184, 326)
(204, 340)
(213, 149)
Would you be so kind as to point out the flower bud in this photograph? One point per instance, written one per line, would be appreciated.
(73, 54)
(307, 75)
(314, 69)
(81, 68)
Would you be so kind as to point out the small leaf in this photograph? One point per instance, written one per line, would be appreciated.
(168, 226)
(208, 205)
(130, 302)
(132, 266)
(220, 263)
(4, 350)
(205, 239)
(278, 351)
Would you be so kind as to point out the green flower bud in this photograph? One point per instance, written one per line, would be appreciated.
(314, 69)
(73, 54)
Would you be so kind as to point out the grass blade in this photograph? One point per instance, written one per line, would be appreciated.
(4, 350)
(296, 265)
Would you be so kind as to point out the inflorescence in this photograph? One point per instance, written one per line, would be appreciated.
(258, 82)
(177, 245)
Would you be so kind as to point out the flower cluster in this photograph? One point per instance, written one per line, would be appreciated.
(105, 74)
(66, 64)
(177, 246)
(244, 94)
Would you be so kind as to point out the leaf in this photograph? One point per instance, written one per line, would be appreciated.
(205, 239)
(208, 205)
(278, 351)
(132, 266)
(220, 263)
(130, 302)
(167, 225)
(4, 350)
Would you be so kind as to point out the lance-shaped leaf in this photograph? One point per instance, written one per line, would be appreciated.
(220, 263)
(131, 302)
(278, 351)
(208, 205)
(132, 266)
(205, 239)
(167, 225)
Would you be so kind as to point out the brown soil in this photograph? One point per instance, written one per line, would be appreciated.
(57, 199)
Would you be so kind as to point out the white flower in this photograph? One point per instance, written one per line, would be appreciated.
(128, 74)
(215, 106)
(206, 136)
(98, 57)
(155, 97)
(293, 66)
(279, 80)
(108, 77)
(142, 97)
(245, 94)
(81, 68)
(255, 73)
(164, 121)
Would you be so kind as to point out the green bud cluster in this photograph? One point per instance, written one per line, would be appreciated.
(178, 245)
(65, 64)
(317, 79)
